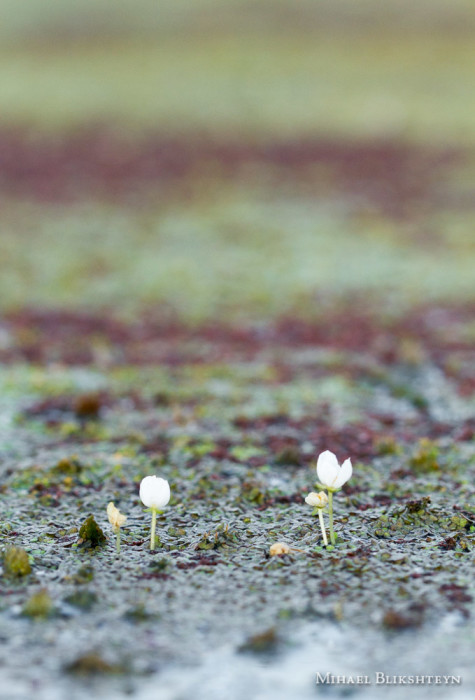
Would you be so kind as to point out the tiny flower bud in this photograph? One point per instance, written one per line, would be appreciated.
(317, 500)
(154, 492)
(279, 548)
(116, 518)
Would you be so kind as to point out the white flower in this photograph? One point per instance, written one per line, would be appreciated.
(317, 500)
(116, 518)
(154, 492)
(329, 472)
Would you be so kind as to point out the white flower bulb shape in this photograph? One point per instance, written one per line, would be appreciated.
(154, 492)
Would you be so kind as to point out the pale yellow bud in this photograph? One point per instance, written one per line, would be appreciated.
(279, 548)
(116, 518)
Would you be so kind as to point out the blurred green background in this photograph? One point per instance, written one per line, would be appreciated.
(100, 84)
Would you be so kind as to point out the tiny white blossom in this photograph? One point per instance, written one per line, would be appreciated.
(154, 492)
(317, 500)
(329, 472)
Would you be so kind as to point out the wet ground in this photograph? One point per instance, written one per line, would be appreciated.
(234, 420)
(215, 292)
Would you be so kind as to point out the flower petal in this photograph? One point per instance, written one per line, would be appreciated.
(146, 486)
(327, 468)
(346, 470)
(312, 499)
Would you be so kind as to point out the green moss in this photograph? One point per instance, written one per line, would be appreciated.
(252, 491)
(33, 478)
(139, 613)
(67, 466)
(245, 452)
(161, 564)
(90, 533)
(425, 456)
(416, 514)
(39, 605)
(419, 506)
(37, 478)
(458, 522)
(387, 445)
(91, 664)
(84, 574)
(221, 537)
(201, 448)
(263, 643)
(209, 488)
(82, 599)
(289, 455)
(16, 562)
(420, 516)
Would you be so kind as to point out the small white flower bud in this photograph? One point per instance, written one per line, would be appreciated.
(317, 500)
(116, 518)
(154, 492)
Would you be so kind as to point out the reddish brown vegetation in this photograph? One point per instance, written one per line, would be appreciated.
(394, 178)
(77, 338)
(375, 344)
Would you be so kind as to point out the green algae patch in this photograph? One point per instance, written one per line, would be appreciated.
(39, 605)
(92, 664)
(223, 536)
(418, 516)
(84, 574)
(38, 479)
(91, 534)
(82, 599)
(264, 643)
(16, 562)
(425, 458)
(67, 466)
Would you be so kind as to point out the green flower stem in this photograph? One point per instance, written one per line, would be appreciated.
(330, 516)
(117, 540)
(322, 527)
(152, 534)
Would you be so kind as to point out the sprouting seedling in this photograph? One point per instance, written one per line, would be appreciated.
(116, 519)
(319, 501)
(332, 476)
(154, 494)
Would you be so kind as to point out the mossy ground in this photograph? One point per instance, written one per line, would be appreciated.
(239, 461)
(260, 250)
